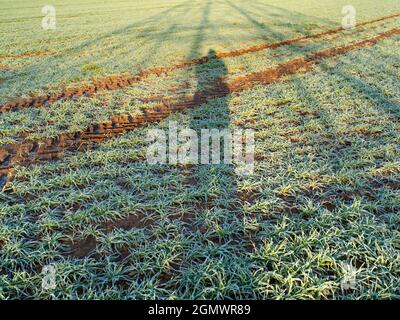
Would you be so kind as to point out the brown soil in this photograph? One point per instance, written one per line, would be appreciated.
(83, 248)
(26, 55)
(299, 39)
(303, 65)
(121, 81)
(36, 151)
(109, 83)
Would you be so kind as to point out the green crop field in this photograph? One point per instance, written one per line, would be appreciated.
(317, 219)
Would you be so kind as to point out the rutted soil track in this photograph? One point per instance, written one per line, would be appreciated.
(26, 55)
(122, 81)
(30, 152)
(302, 65)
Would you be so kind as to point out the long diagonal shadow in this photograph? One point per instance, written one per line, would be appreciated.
(215, 184)
(54, 66)
(123, 80)
(28, 152)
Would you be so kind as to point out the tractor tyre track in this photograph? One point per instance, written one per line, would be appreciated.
(121, 81)
(29, 152)
(26, 55)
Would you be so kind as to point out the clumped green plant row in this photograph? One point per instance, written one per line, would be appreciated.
(318, 219)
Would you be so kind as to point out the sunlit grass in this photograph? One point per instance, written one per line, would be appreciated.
(317, 220)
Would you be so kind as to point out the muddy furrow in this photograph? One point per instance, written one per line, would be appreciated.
(121, 81)
(302, 65)
(29, 152)
(276, 45)
(26, 55)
